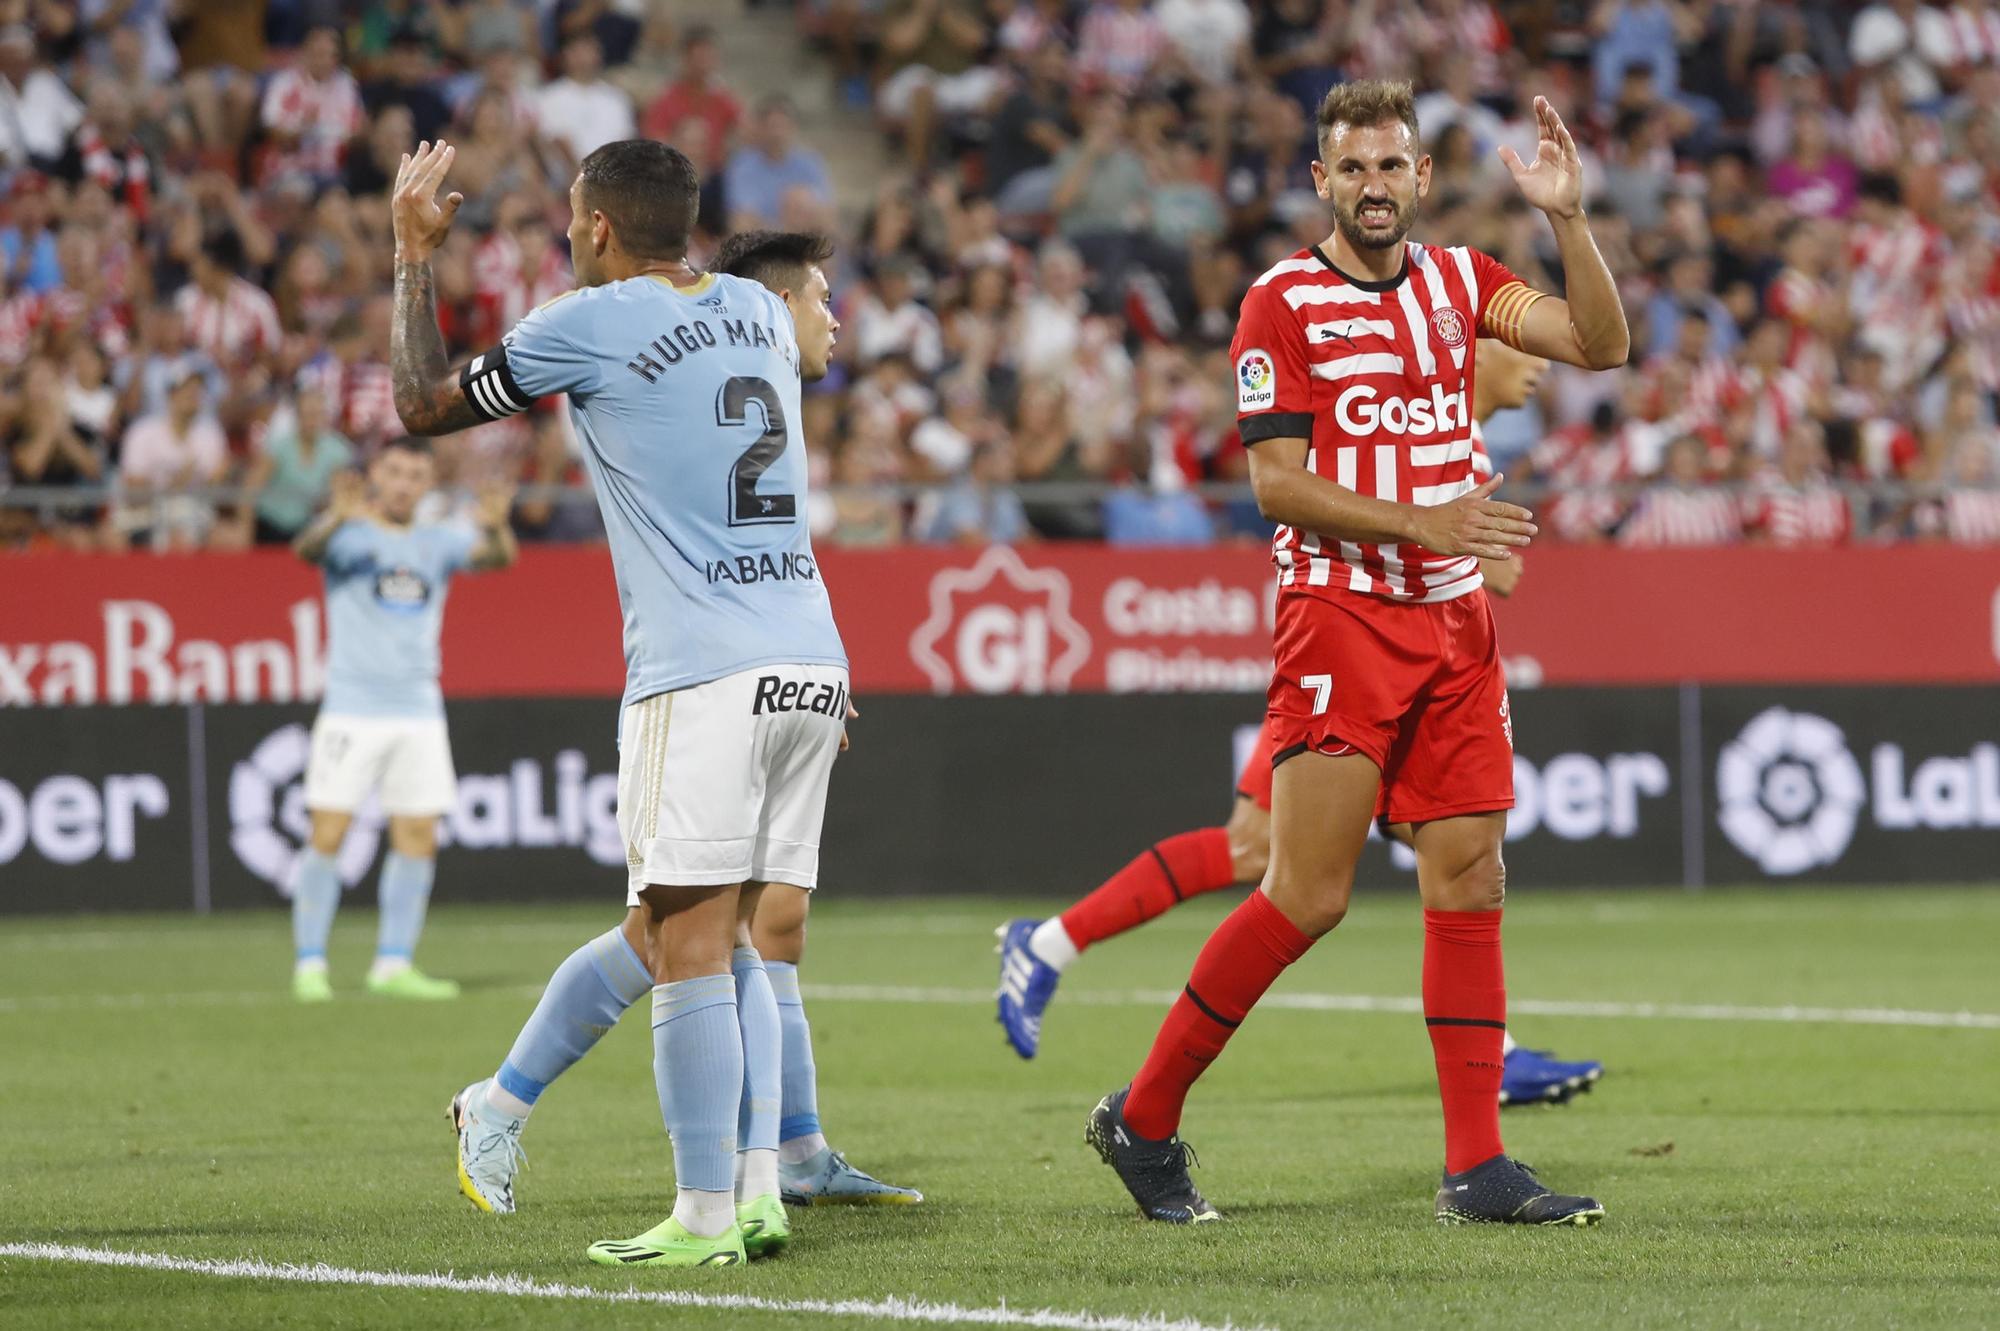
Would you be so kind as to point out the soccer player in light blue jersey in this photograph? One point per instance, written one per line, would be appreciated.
(684, 389)
(381, 725)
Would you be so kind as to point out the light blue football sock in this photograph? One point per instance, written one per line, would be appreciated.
(763, 1052)
(405, 892)
(584, 999)
(698, 1067)
(799, 1101)
(315, 897)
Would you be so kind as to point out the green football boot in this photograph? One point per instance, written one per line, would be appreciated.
(410, 982)
(310, 985)
(668, 1244)
(766, 1231)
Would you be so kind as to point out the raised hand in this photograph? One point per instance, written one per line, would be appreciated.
(348, 495)
(421, 222)
(1553, 182)
(496, 501)
(1475, 524)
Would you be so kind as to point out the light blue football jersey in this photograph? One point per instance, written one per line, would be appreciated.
(385, 591)
(686, 401)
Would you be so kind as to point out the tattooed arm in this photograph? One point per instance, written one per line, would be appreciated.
(429, 396)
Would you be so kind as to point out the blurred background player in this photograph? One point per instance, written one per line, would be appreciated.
(685, 393)
(1387, 698)
(381, 725)
(1035, 953)
(574, 1012)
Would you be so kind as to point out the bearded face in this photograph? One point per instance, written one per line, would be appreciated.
(1375, 178)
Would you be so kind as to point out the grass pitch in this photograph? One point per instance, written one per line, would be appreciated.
(160, 1094)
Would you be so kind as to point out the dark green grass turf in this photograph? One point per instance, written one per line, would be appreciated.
(158, 1093)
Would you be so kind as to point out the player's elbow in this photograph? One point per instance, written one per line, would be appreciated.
(1610, 357)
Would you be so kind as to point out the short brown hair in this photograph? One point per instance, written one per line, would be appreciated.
(1366, 103)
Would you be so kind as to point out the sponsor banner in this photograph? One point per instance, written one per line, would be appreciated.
(1853, 785)
(96, 811)
(202, 806)
(537, 815)
(1034, 620)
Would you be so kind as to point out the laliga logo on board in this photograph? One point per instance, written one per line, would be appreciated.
(1000, 627)
(1790, 791)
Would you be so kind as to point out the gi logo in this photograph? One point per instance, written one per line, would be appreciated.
(402, 589)
(1790, 791)
(1001, 626)
(1256, 381)
(1448, 325)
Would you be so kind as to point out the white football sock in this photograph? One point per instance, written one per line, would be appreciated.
(386, 967)
(502, 1101)
(309, 966)
(705, 1214)
(801, 1149)
(756, 1174)
(1507, 1045)
(1050, 942)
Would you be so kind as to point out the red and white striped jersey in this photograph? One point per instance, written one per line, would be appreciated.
(1964, 517)
(240, 327)
(1671, 515)
(1377, 378)
(1975, 32)
(319, 115)
(508, 287)
(20, 315)
(1811, 514)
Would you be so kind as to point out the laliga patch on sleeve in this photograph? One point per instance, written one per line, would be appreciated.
(1256, 381)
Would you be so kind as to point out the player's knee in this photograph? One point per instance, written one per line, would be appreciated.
(1316, 902)
(328, 831)
(1249, 833)
(413, 838)
(1478, 884)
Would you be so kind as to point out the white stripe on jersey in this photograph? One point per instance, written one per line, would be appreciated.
(1434, 279)
(1287, 266)
(1332, 293)
(1419, 325)
(1371, 362)
(1346, 466)
(1429, 496)
(1436, 455)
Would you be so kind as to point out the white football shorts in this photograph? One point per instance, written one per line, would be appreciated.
(725, 782)
(406, 759)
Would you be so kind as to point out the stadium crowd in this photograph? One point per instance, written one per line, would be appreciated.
(1801, 201)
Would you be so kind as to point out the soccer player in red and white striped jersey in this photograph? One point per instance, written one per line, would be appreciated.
(1353, 368)
(1034, 954)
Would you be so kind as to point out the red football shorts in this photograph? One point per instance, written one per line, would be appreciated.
(1254, 781)
(1418, 689)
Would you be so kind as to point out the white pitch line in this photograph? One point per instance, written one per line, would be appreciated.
(1983, 1021)
(1152, 998)
(891, 1309)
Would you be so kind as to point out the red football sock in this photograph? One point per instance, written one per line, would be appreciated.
(1242, 957)
(1164, 875)
(1465, 1007)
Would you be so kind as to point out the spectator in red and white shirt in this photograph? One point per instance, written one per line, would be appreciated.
(1118, 44)
(516, 268)
(1968, 512)
(230, 318)
(310, 111)
(1795, 502)
(1681, 508)
(104, 150)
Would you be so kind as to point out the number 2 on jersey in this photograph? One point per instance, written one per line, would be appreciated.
(747, 508)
